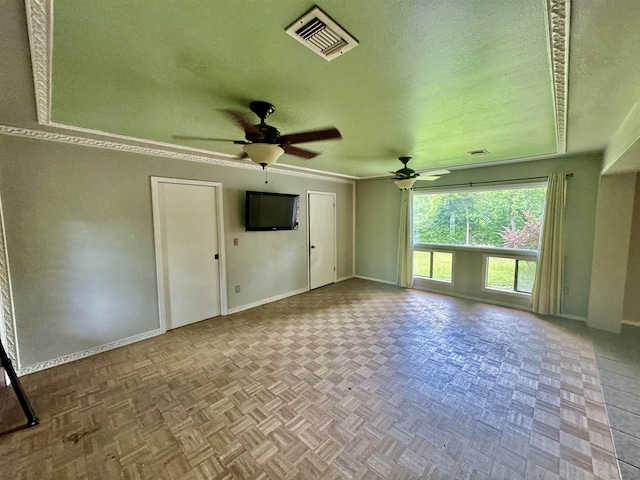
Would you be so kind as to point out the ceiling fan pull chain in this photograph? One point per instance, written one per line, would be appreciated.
(266, 180)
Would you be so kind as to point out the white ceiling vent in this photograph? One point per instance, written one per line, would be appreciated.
(318, 32)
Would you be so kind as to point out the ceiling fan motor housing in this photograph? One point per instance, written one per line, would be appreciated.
(262, 109)
(406, 172)
(263, 133)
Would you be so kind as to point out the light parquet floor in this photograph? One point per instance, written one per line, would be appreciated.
(354, 380)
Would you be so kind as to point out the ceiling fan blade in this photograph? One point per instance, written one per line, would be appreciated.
(299, 152)
(241, 120)
(312, 136)
(442, 171)
(208, 139)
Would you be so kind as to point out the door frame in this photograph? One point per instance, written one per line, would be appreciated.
(157, 240)
(335, 236)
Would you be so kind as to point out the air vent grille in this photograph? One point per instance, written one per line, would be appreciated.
(317, 31)
(478, 153)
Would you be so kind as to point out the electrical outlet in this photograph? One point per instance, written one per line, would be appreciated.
(235, 242)
(566, 290)
(237, 288)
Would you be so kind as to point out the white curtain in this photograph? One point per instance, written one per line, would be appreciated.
(546, 297)
(405, 240)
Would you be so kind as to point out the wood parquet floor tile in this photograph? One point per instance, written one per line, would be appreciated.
(356, 380)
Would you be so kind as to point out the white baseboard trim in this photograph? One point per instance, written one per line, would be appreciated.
(376, 280)
(499, 303)
(342, 279)
(265, 301)
(475, 299)
(87, 353)
(630, 322)
(572, 317)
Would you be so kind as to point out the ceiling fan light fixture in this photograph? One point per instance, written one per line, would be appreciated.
(263, 153)
(405, 183)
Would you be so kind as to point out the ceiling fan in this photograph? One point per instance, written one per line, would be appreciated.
(406, 177)
(263, 143)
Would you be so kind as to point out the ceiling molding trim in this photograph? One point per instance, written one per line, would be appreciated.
(40, 26)
(318, 172)
(498, 163)
(122, 147)
(559, 14)
(126, 138)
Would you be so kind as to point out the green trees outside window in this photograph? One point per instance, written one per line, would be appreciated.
(492, 218)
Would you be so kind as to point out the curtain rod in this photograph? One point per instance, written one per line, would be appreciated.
(471, 184)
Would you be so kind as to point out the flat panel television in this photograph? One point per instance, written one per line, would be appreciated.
(271, 211)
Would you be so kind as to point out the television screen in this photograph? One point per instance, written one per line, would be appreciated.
(271, 211)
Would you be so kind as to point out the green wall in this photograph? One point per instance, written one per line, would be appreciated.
(378, 206)
(612, 238)
(631, 311)
(377, 224)
(79, 235)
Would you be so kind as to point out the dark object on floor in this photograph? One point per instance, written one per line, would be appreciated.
(24, 402)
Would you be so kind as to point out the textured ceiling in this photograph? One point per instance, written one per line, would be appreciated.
(605, 71)
(430, 79)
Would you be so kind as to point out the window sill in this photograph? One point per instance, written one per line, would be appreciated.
(513, 293)
(429, 279)
(512, 252)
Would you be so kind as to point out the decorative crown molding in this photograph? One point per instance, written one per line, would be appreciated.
(124, 147)
(559, 15)
(6, 298)
(40, 25)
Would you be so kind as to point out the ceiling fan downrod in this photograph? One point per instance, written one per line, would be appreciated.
(262, 110)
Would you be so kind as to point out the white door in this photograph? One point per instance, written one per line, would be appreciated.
(322, 238)
(189, 260)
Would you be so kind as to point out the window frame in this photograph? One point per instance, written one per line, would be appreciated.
(518, 255)
(476, 188)
(487, 251)
(428, 247)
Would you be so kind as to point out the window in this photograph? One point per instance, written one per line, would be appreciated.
(432, 264)
(501, 226)
(509, 274)
(505, 217)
